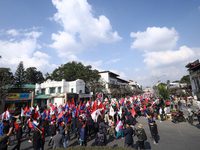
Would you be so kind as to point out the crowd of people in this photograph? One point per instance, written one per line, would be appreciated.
(117, 119)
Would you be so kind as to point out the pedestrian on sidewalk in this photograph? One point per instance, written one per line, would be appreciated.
(155, 133)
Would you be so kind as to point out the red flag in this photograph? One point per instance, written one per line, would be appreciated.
(133, 112)
(101, 106)
(30, 125)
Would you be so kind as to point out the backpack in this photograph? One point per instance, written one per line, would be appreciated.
(100, 138)
(144, 136)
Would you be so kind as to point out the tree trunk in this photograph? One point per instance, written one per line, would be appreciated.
(2, 105)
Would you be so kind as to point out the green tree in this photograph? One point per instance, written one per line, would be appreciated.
(20, 75)
(163, 92)
(72, 71)
(6, 80)
(186, 79)
(33, 76)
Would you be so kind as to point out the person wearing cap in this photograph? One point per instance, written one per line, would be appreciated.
(128, 136)
(52, 131)
(19, 137)
(139, 133)
(57, 140)
(62, 131)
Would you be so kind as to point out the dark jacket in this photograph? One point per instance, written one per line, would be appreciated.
(19, 133)
(154, 129)
(105, 139)
(36, 139)
(83, 134)
(115, 117)
(128, 135)
(52, 130)
(131, 120)
(104, 127)
(99, 120)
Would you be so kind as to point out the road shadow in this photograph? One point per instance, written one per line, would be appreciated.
(146, 145)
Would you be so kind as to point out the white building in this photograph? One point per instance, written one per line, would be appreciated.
(59, 92)
(112, 80)
(134, 85)
(180, 85)
(194, 72)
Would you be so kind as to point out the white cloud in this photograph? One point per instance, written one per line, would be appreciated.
(81, 29)
(155, 39)
(114, 60)
(126, 69)
(13, 32)
(159, 56)
(137, 69)
(169, 58)
(199, 7)
(24, 49)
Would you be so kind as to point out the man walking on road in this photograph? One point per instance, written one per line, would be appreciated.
(57, 140)
(155, 133)
(190, 114)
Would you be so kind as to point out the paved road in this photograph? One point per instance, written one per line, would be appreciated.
(181, 136)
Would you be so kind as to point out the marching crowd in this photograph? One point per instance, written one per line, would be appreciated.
(117, 119)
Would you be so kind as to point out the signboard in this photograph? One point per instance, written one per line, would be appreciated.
(18, 96)
(85, 95)
(72, 95)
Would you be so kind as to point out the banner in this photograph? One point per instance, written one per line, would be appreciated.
(18, 96)
(12, 108)
(13, 96)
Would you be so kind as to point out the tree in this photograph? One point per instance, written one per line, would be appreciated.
(20, 75)
(186, 79)
(163, 92)
(72, 71)
(33, 76)
(6, 80)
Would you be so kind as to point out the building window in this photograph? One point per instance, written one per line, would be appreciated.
(72, 90)
(80, 91)
(59, 89)
(43, 91)
(52, 90)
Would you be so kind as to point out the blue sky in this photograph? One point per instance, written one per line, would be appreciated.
(139, 40)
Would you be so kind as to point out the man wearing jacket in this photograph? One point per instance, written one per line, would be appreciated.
(19, 137)
(4, 139)
(62, 131)
(155, 133)
(128, 136)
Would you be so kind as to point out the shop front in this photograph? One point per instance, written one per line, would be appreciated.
(16, 101)
(71, 96)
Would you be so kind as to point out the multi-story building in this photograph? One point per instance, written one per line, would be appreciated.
(114, 84)
(59, 92)
(194, 72)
